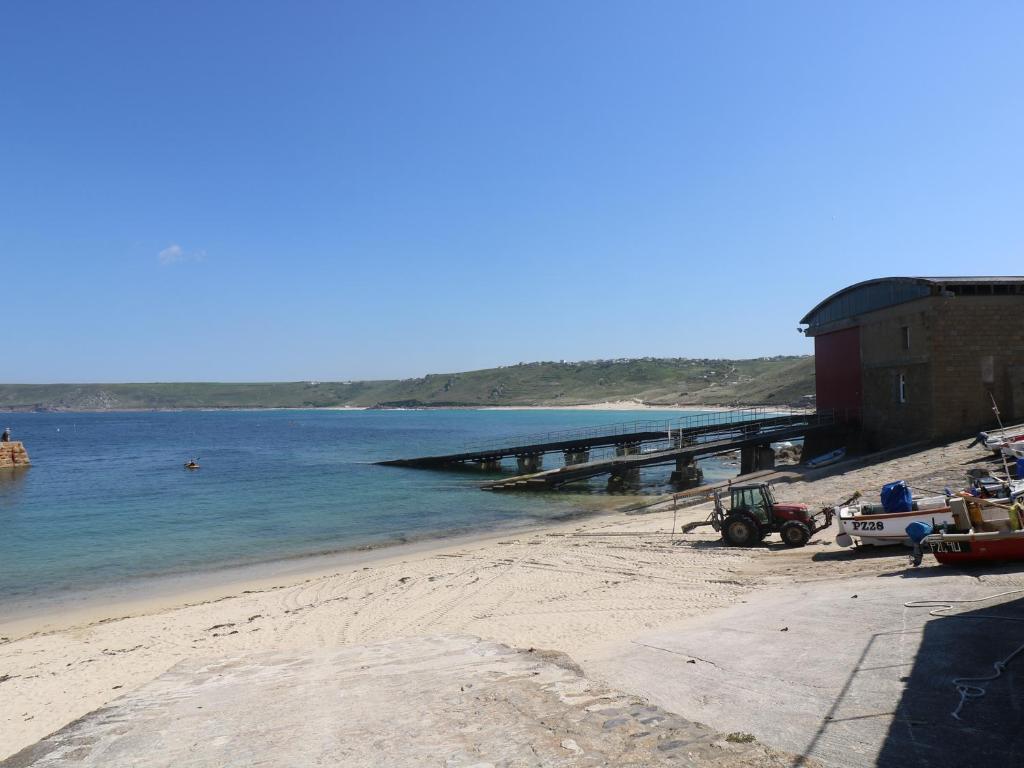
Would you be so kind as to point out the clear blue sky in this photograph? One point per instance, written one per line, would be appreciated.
(339, 190)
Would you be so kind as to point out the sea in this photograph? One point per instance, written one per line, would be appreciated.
(107, 500)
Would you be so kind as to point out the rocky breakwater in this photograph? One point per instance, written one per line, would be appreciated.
(13, 455)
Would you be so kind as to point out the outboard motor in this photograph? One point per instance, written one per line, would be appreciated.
(917, 530)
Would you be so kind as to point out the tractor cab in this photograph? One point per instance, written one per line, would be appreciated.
(759, 501)
(756, 500)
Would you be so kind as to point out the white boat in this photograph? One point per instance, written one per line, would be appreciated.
(825, 459)
(870, 524)
(1014, 450)
(996, 442)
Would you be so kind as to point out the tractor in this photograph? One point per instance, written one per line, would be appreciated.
(754, 513)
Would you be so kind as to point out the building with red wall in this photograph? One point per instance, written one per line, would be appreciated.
(920, 358)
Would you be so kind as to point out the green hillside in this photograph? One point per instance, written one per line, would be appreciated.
(657, 381)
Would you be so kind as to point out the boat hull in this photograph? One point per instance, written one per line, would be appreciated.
(827, 459)
(977, 548)
(885, 529)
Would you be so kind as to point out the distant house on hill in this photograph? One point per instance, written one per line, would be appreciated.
(915, 358)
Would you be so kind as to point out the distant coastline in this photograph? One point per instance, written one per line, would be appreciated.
(640, 384)
(613, 406)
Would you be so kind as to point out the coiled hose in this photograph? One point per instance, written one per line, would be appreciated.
(967, 686)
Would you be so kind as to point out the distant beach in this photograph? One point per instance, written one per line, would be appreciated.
(638, 405)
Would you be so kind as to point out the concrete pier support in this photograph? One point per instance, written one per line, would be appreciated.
(576, 457)
(765, 457)
(490, 465)
(746, 460)
(13, 455)
(530, 463)
(754, 458)
(623, 478)
(627, 449)
(687, 473)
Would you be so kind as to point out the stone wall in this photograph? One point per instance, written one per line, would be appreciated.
(885, 356)
(977, 349)
(13, 455)
(960, 350)
(929, 368)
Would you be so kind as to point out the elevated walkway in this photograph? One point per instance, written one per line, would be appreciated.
(625, 465)
(627, 446)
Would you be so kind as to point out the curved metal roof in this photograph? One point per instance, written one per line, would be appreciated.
(881, 292)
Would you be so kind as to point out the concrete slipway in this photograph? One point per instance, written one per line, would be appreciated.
(835, 673)
(451, 701)
(844, 673)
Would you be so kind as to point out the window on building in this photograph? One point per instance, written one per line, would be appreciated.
(901, 388)
(905, 336)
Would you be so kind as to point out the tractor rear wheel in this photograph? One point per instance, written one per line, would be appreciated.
(794, 533)
(741, 530)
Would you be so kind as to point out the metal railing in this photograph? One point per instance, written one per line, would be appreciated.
(729, 421)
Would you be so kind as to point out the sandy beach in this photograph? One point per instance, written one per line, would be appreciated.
(587, 589)
(621, 405)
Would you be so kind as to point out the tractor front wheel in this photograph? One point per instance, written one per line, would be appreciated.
(794, 533)
(741, 530)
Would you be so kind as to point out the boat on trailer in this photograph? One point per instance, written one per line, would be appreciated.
(983, 546)
(870, 525)
(982, 531)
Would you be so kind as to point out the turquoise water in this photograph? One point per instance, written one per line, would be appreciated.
(107, 500)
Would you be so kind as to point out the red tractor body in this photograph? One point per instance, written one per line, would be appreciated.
(791, 511)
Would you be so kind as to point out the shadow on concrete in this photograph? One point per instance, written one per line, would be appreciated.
(831, 717)
(973, 571)
(861, 553)
(916, 573)
(990, 728)
(924, 731)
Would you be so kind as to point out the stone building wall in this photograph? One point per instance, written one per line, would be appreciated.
(977, 349)
(955, 351)
(887, 353)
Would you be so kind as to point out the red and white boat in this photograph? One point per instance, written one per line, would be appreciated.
(982, 531)
(986, 546)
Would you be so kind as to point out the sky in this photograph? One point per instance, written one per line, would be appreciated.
(264, 191)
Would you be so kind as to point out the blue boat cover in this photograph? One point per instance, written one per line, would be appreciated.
(896, 497)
